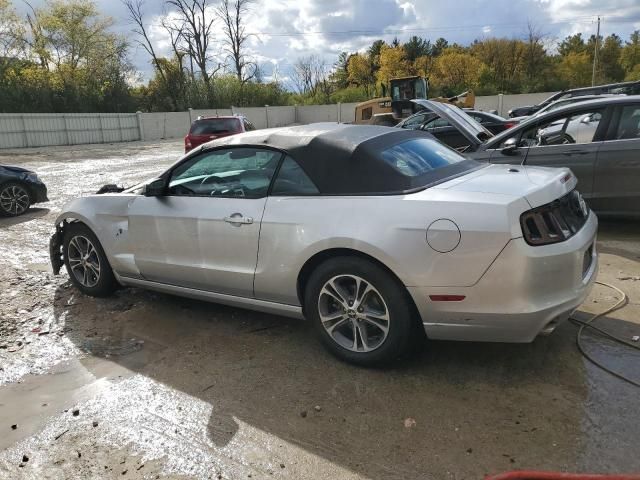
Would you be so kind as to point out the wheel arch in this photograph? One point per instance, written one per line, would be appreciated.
(318, 258)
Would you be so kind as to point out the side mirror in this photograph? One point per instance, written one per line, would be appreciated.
(586, 119)
(156, 188)
(510, 147)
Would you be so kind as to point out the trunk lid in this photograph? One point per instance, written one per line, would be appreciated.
(538, 185)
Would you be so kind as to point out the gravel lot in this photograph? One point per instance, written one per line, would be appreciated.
(144, 385)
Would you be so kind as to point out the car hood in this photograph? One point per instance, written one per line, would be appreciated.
(15, 169)
(537, 185)
(467, 126)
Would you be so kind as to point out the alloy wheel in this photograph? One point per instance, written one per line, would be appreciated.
(14, 200)
(353, 313)
(84, 261)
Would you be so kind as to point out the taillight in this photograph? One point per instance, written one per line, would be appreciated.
(187, 143)
(556, 221)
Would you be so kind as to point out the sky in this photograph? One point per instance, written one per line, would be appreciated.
(288, 29)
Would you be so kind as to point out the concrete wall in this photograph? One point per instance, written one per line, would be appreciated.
(492, 102)
(42, 129)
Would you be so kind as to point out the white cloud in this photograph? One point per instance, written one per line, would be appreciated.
(288, 29)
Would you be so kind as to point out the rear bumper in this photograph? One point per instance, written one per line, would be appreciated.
(525, 292)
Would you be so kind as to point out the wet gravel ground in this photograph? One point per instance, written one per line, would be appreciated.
(144, 385)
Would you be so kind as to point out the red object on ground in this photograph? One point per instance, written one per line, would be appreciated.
(532, 475)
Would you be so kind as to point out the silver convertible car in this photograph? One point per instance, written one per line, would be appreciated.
(376, 235)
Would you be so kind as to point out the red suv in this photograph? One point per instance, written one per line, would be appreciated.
(205, 129)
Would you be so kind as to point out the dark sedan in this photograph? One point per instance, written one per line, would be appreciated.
(19, 189)
(450, 135)
(599, 140)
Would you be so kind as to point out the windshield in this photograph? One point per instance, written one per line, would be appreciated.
(210, 126)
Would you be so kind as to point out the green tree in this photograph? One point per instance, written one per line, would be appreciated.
(575, 69)
(610, 68)
(417, 47)
(630, 56)
(572, 44)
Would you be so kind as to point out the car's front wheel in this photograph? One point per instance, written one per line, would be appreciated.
(14, 199)
(86, 262)
(360, 312)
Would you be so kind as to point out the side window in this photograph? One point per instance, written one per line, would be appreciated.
(575, 128)
(436, 123)
(414, 122)
(479, 119)
(629, 124)
(292, 180)
(234, 172)
(367, 113)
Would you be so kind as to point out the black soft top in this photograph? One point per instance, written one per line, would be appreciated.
(345, 159)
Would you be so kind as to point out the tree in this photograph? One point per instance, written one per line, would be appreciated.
(393, 63)
(310, 77)
(610, 69)
(359, 71)
(417, 47)
(504, 60)
(572, 44)
(575, 69)
(630, 56)
(340, 75)
(233, 14)
(134, 9)
(11, 31)
(196, 21)
(454, 71)
(439, 46)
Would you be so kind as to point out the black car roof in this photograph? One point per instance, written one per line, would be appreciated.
(340, 158)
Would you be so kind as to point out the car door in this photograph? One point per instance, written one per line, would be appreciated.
(616, 186)
(203, 231)
(569, 139)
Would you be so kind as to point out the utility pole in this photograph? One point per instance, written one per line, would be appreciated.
(595, 55)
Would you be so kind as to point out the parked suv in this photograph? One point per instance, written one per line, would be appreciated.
(205, 129)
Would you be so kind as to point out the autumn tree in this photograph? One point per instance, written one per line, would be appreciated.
(393, 63)
(454, 71)
(575, 69)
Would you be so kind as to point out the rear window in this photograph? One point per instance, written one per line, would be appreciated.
(211, 126)
(419, 156)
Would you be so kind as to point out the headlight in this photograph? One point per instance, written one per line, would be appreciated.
(33, 177)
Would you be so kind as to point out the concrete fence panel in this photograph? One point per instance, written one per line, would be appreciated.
(42, 129)
(317, 113)
(492, 102)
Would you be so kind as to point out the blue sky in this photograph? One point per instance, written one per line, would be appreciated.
(288, 29)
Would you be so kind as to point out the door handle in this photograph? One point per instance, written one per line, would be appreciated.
(568, 153)
(238, 219)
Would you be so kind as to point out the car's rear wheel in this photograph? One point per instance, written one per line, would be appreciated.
(86, 262)
(14, 199)
(360, 312)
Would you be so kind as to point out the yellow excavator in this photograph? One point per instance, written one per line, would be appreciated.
(389, 110)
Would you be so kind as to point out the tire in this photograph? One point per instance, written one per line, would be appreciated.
(342, 327)
(91, 272)
(15, 199)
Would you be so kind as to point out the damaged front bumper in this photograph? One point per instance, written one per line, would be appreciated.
(55, 248)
